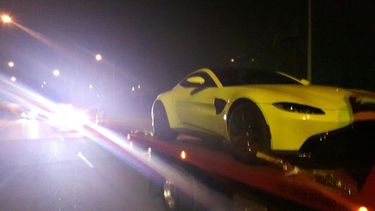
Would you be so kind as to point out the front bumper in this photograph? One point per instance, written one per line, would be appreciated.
(289, 130)
(352, 144)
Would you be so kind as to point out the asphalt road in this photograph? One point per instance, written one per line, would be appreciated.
(43, 170)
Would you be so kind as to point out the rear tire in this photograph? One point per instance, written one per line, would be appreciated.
(176, 200)
(248, 131)
(161, 125)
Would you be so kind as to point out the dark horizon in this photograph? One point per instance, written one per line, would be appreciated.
(157, 43)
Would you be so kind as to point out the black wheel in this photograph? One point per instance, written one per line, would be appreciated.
(174, 199)
(248, 131)
(160, 124)
(169, 195)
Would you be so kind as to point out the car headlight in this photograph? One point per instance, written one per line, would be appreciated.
(298, 108)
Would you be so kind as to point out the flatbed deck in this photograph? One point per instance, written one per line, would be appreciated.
(294, 186)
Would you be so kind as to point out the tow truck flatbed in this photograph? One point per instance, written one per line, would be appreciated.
(293, 185)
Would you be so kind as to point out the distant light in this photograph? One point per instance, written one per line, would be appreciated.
(11, 64)
(44, 82)
(90, 86)
(362, 208)
(98, 57)
(128, 136)
(139, 86)
(56, 72)
(183, 155)
(252, 59)
(131, 144)
(133, 89)
(232, 60)
(149, 150)
(14, 79)
(42, 85)
(6, 19)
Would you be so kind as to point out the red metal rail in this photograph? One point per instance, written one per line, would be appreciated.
(297, 187)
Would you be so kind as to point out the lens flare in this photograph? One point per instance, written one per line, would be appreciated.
(6, 19)
(115, 143)
(362, 208)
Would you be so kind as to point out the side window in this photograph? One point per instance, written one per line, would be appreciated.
(208, 80)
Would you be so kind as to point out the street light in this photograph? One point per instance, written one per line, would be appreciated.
(6, 19)
(98, 57)
(56, 72)
(11, 64)
(13, 79)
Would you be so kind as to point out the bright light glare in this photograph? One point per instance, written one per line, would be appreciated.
(102, 136)
(139, 86)
(232, 60)
(70, 107)
(33, 126)
(98, 57)
(56, 72)
(90, 86)
(133, 89)
(66, 118)
(6, 19)
(11, 64)
(33, 114)
(183, 155)
(112, 141)
(14, 79)
(44, 82)
(362, 209)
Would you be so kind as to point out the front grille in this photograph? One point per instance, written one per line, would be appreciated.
(362, 104)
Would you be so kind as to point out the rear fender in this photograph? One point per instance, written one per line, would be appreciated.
(167, 101)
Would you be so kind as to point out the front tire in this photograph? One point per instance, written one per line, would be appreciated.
(161, 125)
(248, 131)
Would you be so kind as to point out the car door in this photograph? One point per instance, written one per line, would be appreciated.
(195, 104)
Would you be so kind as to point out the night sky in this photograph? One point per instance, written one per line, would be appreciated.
(156, 43)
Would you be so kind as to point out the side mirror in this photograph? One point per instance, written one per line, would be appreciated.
(305, 82)
(196, 80)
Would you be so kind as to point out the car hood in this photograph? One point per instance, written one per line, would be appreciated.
(323, 97)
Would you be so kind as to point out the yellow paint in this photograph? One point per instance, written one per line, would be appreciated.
(289, 130)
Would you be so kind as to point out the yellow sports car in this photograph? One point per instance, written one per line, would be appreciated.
(264, 110)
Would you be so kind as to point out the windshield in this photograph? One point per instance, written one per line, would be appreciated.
(238, 77)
